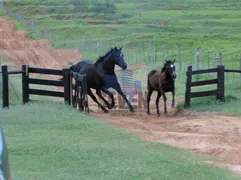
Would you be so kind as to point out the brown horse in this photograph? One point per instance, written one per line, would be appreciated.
(161, 81)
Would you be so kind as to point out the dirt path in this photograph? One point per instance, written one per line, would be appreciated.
(203, 133)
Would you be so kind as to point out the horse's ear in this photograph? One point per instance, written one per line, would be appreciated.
(115, 48)
(120, 48)
(173, 61)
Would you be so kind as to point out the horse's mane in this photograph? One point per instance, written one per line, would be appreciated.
(101, 58)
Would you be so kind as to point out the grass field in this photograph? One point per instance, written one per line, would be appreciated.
(210, 25)
(53, 141)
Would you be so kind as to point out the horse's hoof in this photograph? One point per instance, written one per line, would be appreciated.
(165, 113)
(148, 113)
(172, 106)
(106, 111)
(109, 107)
(158, 114)
(132, 110)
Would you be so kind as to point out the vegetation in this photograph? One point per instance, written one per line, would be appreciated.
(230, 106)
(54, 141)
(210, 25)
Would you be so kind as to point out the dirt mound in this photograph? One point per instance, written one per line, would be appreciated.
(14, 45)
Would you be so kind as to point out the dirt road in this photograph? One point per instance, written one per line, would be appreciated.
(203, 133)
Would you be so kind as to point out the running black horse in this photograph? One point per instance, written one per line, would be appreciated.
(161, 81)
(101, 75)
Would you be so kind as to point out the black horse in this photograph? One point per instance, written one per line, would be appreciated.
(161, 81)
(105, 77)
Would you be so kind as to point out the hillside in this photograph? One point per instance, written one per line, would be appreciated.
(211, 25)
(15, 46)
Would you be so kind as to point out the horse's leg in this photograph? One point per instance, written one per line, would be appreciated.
(150, 90)
(95, 100)
(98, 92)
(111, 96)
(157, 103)
(118, 89)
(173, 98)
(165, 100)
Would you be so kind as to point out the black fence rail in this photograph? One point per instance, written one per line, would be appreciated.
(219, 92)
(66, 83)
(220, 81)
(27, 80)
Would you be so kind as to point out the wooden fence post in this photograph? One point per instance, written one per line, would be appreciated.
(5, 86)
(25, 84)
(240, 65)
(163, 53)
(66, 85)
(71, 88)
(197, 58)
(220, 84)
(179, 57)
(220, 58)
(214, 60)
(188, 87)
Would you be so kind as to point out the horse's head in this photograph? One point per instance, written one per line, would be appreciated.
(119, 58)
(169, 68)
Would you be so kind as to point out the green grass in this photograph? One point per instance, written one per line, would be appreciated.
(53, 141)
(230, 106)
(211, 25)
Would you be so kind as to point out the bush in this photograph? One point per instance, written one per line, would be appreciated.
(106, 7)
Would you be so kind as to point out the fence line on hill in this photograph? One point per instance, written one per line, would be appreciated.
(149, 52)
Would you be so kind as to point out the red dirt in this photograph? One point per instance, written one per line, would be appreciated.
(203, 133)
(14, 45)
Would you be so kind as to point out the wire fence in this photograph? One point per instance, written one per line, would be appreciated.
(149, 53)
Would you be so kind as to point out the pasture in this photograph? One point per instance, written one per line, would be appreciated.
(50, 140)
(210, 25)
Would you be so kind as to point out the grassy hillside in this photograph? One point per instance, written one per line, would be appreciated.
(53, 141)
(210, 25)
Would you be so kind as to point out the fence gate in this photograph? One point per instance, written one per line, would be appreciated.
(219, 92)
(78, 90)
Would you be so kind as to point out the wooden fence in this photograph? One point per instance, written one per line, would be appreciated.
(27, 80)
(78, 90)
(219, 92)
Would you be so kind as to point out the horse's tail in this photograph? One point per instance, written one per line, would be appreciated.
(148, 78)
